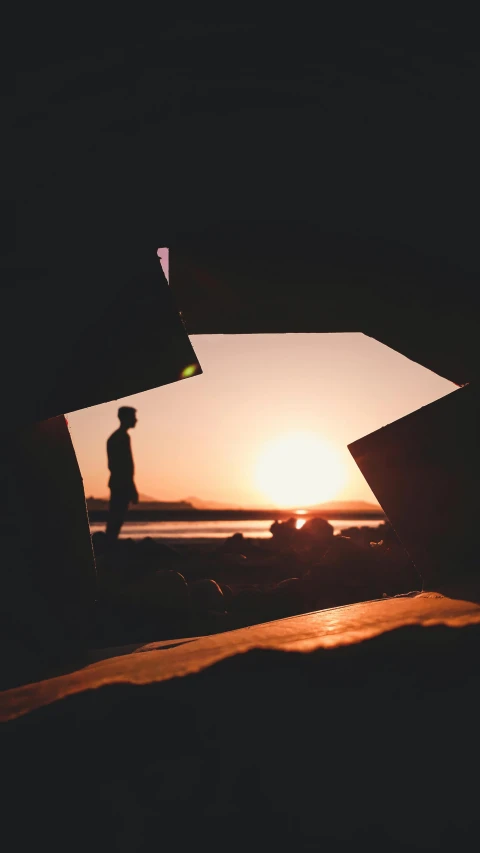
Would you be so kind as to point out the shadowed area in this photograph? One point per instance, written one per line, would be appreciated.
(349, 728)
(366, 743)
(323, 629)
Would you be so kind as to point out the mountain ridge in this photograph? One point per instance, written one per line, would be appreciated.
(200, 504)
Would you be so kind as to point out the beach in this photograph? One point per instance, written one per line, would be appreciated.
(166, 582)
(201, 532)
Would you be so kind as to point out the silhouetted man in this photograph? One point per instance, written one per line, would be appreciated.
(120, 463)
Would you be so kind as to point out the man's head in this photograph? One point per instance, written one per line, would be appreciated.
(127, 417)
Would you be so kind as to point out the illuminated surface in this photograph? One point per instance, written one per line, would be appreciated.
(175, 658)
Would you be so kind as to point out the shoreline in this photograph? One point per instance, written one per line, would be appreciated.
(137, 514)
(161, 587)
(187, 536)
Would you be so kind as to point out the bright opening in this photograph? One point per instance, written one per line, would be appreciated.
(300, 469)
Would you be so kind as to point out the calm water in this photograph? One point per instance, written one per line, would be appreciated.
(213, 529)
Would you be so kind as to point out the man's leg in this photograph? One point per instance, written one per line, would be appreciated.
(116, 515)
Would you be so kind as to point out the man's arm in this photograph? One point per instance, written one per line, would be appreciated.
(109, 455)
(134, 497)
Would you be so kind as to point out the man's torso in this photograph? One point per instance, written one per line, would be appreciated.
(120, 460)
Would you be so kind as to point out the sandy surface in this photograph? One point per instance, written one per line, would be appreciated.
(166, 660)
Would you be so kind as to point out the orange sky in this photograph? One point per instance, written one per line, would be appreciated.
(212, 436)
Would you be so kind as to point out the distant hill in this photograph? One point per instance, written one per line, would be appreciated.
(142, 498)
(159, 505)
(148, 503)
(350, 506)
(185, 503)
(345, 506)
(197, 503)
(144, 503)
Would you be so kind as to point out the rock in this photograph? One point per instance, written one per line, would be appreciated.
(232, 568)
(354, 566)
(233, 545)
(316, 532)
(285, 533)
(153, 606)
(207, 595)
(153, 555)
(288, 587)
(362, 535)
(227, 594)
(161, 590)
(290, 595)
(278, 527)
(235, 559)
(250, 600)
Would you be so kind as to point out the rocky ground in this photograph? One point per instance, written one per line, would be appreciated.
(149, 590)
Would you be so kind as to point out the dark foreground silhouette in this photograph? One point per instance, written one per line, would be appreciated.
(149, 590)
(121, 467)
(369, 746)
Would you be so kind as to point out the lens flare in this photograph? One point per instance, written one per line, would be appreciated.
(188, 371)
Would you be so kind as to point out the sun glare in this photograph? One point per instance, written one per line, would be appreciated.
(299, 469)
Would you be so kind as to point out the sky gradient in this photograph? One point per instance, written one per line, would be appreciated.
(205, 436)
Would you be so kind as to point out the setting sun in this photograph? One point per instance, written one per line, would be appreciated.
(300, 469)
